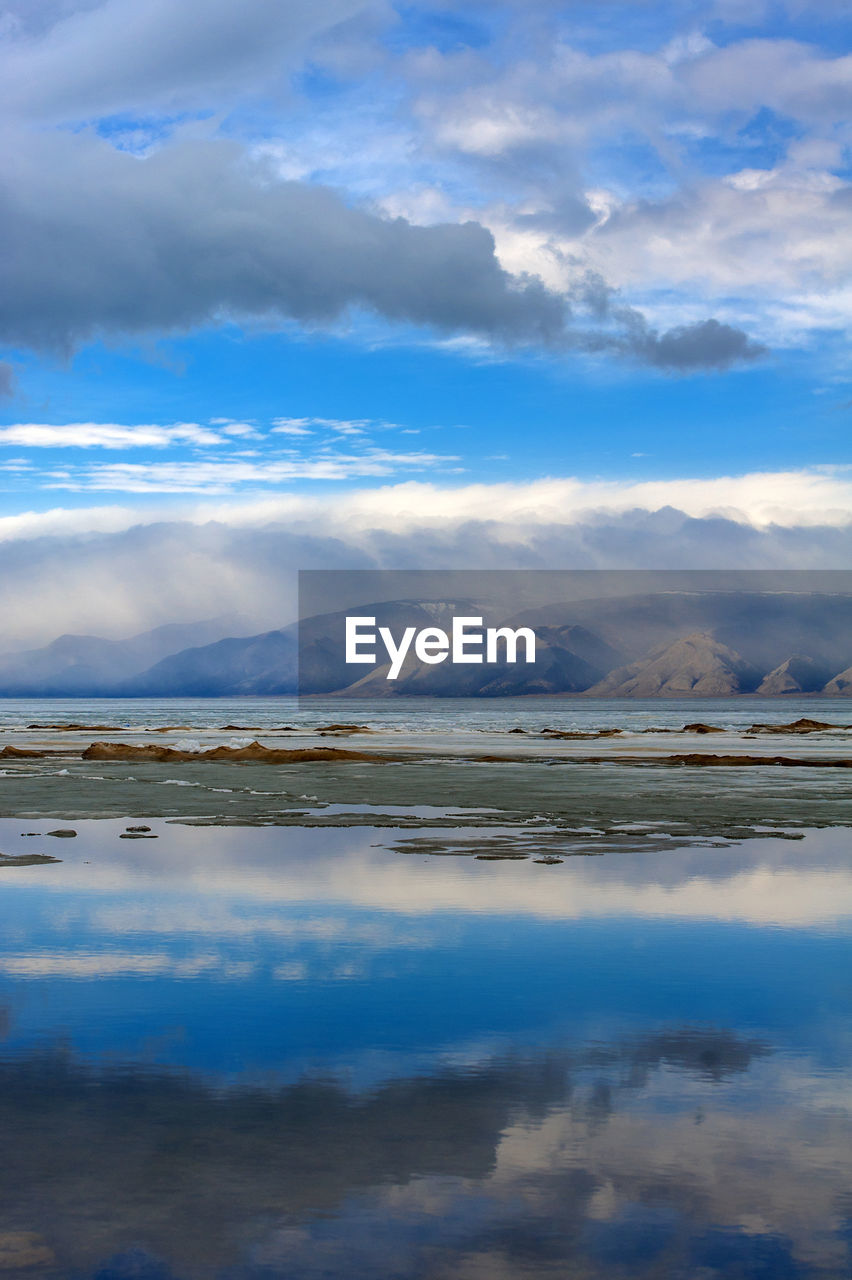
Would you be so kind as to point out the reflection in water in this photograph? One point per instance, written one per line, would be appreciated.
(252, 1054)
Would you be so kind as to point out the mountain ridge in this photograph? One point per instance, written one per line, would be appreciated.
(573, 656)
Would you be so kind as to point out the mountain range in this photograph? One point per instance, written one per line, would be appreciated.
(665, 644)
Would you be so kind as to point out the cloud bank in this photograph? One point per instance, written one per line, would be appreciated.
(101, 571)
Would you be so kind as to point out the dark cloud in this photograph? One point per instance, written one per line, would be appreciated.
(706, 344)
(100, 241)
(709, 344)
(7, 379)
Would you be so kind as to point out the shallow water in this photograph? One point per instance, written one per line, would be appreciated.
(422, 715)
(249, 1053)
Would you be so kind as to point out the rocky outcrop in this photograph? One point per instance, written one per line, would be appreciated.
(802, 725)
(254, 752)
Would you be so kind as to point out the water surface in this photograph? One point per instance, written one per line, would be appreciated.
(294, 1052)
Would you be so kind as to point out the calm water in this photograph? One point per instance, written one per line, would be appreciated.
(423, 715)
(286, 1052)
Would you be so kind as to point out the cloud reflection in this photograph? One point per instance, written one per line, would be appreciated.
(647, 1154)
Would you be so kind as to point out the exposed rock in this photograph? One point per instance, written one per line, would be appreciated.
(136, 830)
(63, 833)
(578, 735)
(501, 857)
(20, 753)
(343, 728)
(254, 752)
(695, 666)
(698, 727)
(699, 760)
(71, 726)
(24, 860)
(802, 725)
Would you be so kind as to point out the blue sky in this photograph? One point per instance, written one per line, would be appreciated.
(325, 251)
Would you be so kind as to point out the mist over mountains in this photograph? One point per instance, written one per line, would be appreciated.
(658, 644)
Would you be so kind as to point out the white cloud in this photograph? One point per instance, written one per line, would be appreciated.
(105, 435)
(226, 475)
(556, 150)
(112, 570)
(797, 499)
(242, 430)
(340, 426)
(787, 499)
(292, 426)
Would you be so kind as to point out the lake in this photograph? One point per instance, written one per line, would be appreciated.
(425, 1020)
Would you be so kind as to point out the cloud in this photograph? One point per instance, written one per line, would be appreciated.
(600, 160)
(341, 426)
(105, 435)
(98, 59)
(543, 159)
(197, 233)
(225, 475)
(7, 380)
(708, 344)
(102, 571)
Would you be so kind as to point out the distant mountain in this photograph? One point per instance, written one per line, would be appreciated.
(568, 660)
(797, 675)
(268, 663)
(322, 668)
(264, 664)
(86, 666)
(841, 685)
(765, 627)
(696, 666)
(664, 644)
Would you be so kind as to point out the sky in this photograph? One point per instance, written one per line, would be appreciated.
(416, 284)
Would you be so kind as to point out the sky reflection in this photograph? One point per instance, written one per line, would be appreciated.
(266, 1053)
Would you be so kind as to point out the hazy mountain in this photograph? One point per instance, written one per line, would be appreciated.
(322, 668)
(90, 665)
(797, 675)
(634, 646)
(569, 659)
(765, 627)
(263, 664)
(558, 668)
(695, 666)
(268, 663)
